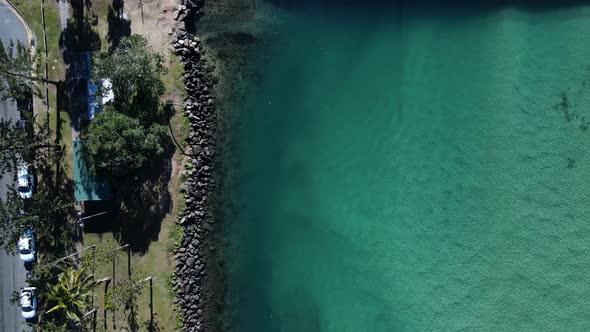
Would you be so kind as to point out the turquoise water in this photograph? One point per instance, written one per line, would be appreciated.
(400, 171)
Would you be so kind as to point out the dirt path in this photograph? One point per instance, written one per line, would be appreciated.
(158, 18)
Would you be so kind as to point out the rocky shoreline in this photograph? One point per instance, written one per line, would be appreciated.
(196, 277)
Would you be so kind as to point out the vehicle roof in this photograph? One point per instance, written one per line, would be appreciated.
(108, 88)
(23, 181)
(23, 170)
(24, 243)
(26, 299)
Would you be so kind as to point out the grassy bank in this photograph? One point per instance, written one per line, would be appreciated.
(157, 260)
(56, 68)
(32, 11)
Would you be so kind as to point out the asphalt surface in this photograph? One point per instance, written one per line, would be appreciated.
(12, 271)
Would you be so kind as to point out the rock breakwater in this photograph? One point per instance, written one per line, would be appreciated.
(194, 283)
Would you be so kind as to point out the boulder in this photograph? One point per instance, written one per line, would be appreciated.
(190, 262)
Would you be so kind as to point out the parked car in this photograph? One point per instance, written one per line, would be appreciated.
(28, 302)
(25, 181)
(26, 246)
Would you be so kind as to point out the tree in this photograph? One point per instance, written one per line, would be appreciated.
(20, 142)
(14, 145)
(53, 208)
(125, 296)
(13, 221)
(134, 71)
(118, 147)
(18, 72)
(44, 212)
(71, 295)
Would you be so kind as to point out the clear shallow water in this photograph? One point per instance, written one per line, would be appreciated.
(407, 172)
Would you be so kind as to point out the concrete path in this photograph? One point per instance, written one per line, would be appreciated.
(12, 271)
(64, 13)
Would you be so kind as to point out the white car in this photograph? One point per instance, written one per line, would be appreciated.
(26, 246)
(28, 302)
(25, 182)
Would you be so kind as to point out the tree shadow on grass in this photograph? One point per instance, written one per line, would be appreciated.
(79, 36)
(119, 26)
(77, 41)
(144, 204)
(52, 202)
(102, 223)
(118, 6)
(73, 98)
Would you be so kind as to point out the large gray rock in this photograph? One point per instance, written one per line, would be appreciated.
(190, 262)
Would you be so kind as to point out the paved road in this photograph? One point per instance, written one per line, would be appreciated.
(12, 271)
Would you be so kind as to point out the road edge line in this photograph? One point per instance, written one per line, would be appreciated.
(30, 32)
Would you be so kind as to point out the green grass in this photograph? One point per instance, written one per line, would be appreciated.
(32, 11)
(158, 261)
(66, 138)
(56, 68)
(100, 8)
(174, 78)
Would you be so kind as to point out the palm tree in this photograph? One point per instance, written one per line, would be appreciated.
(72, 294)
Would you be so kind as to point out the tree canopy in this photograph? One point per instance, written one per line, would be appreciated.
(20, 142)
(18, 72)
(13, 221)
(118, 147)
(40, 212)
(71, 295)
(14, 145)
(134, 71)
(15, 70)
